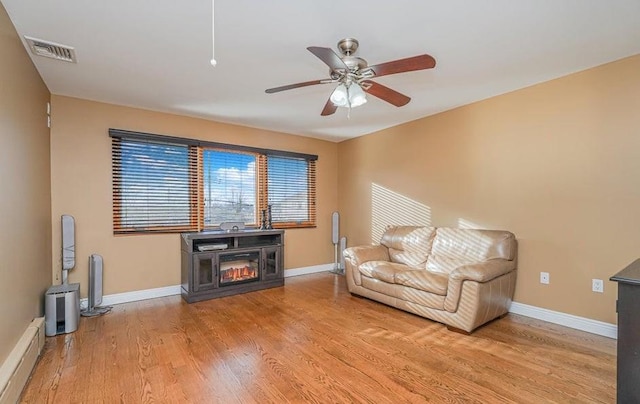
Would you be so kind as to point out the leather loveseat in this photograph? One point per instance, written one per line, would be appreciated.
(460, 277)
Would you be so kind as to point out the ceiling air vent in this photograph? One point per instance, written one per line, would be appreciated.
(51, 50)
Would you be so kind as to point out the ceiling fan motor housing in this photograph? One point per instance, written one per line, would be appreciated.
(347, 48)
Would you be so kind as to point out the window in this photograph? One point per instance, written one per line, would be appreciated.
(291, 190)
(229, 187)
(166, 184)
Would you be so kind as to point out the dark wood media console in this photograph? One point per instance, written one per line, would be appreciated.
(220, 263)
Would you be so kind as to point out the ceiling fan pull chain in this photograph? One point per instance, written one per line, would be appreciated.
(348, 103)
(213, 35)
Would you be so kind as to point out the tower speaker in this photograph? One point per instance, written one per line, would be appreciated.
(68, 245)
(95, 288)
(95, 281)
(343, 245)
(335, 239)
(335, 228)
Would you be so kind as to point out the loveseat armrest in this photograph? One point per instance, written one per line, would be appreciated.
(365, 253)
(483, 271)
(356, 256)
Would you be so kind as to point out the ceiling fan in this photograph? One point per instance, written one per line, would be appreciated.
(354, 76)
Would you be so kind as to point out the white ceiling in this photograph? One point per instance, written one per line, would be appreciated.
(154, 54)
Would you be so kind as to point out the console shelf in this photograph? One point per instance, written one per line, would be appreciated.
(221, 263)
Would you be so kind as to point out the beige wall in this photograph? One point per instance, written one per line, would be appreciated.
(557, 163)
(81, 186)
(25, 195)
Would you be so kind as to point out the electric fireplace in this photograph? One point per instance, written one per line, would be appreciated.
(239, 267)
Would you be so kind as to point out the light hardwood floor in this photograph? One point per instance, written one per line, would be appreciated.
(311, 341)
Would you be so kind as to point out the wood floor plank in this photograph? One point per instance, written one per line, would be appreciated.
(311, 341)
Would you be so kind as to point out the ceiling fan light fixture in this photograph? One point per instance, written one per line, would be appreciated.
(357, 96)
(340, 96)
(351, 96)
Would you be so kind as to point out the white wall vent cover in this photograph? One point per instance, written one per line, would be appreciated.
(51, 49)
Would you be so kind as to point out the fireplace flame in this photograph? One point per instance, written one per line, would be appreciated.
(238, 272)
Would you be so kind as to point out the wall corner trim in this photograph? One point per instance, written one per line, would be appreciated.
(567, 320)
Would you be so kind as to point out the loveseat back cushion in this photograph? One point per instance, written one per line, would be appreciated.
(408, 245)
(452, 248)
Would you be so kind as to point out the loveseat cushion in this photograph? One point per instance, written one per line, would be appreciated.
(400, 274)
(382, 270)
(409, 245)
(385, 273)
(423, 280)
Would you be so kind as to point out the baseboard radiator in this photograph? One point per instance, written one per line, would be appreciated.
(17, 368)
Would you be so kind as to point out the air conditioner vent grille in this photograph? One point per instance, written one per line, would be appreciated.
(51, 50)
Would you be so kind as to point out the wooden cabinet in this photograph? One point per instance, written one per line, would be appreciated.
(204, 271)
(628, 306)
(272, 265)
(220, 263)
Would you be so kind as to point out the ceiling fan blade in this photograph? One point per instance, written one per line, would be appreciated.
(329, 108)
(385, 93)
(420, 62)
(329, 57)
(297, 85)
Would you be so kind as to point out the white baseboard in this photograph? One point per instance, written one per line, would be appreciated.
(308, 270)
(15, 370)
(127, 297)
(567, 320)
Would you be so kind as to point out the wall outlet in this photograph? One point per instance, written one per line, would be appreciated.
(597, 285)
(544, 278)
